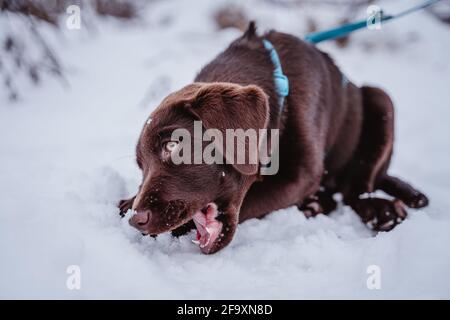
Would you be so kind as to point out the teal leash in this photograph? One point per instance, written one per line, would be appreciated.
(345, 29)
(282, 82)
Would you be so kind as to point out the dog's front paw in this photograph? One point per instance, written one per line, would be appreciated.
(183, 229)
(125, 205)
(310, 208)
(380, 214)
(320, 203)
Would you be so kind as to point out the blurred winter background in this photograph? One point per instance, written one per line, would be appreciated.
(72, 102)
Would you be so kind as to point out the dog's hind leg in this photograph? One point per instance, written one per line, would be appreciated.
(367, 172)
(374, 151)
(403, 191)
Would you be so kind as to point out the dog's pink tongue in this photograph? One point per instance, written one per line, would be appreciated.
(208, 228)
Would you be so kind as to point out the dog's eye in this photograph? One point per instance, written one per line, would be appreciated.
(170, 146)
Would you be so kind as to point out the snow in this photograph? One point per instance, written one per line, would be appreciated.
(68, 157)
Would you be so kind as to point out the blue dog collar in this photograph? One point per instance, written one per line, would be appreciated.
(281, 81)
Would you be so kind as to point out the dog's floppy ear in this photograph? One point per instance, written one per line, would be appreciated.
(225, 106)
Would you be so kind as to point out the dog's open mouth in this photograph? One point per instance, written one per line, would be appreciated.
(208, 227)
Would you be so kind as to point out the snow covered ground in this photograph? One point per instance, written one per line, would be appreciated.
(67, 156)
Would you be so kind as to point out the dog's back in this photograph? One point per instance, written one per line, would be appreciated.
(322, 118)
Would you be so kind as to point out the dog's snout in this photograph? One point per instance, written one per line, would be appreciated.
(140, 218)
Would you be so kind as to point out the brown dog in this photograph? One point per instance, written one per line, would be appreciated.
(334, 137)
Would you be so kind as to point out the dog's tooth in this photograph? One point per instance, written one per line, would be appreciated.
(209, 230)
(203, 245)
(196, 242)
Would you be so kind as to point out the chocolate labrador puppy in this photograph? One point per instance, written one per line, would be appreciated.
(334, 137)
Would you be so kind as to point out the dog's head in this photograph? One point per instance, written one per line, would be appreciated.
(209, 194)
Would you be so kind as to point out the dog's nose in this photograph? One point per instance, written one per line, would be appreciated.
(140, 218)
